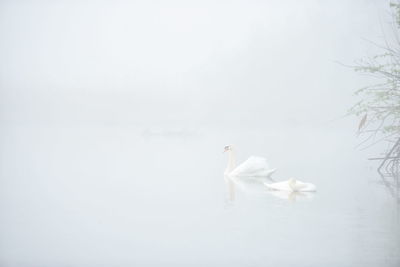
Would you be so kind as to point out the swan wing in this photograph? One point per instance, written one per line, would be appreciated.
(304, 187)
(253, 166)
(299, 186)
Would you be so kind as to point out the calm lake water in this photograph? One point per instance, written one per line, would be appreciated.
(147, 196)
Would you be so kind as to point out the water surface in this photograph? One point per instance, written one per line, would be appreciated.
(140, 196)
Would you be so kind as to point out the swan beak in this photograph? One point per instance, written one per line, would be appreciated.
(226, 148)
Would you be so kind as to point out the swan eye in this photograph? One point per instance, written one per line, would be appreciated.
(226, 148)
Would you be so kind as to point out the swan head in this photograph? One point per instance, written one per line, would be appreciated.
(228, 148)
(292, 183)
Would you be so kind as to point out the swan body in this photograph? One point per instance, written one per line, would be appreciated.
(252, 167)
(292, 185)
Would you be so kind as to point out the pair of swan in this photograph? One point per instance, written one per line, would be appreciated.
(257, 167)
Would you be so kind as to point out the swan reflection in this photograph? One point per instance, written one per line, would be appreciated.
(291, 195)
(231, 190)
(246, 185)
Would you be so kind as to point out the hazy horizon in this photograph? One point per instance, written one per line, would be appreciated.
(182, 62)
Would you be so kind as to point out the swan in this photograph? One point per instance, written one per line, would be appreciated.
(252, 167)
(292, 185)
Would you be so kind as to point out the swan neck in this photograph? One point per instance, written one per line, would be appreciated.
(292, 184)
(231, 162)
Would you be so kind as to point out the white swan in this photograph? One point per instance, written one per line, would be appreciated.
(292, 185)
(252, 167)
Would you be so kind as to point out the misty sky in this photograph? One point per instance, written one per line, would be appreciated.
(184, 62)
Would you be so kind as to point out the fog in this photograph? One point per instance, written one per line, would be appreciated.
(183, 62)
(114, 116)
